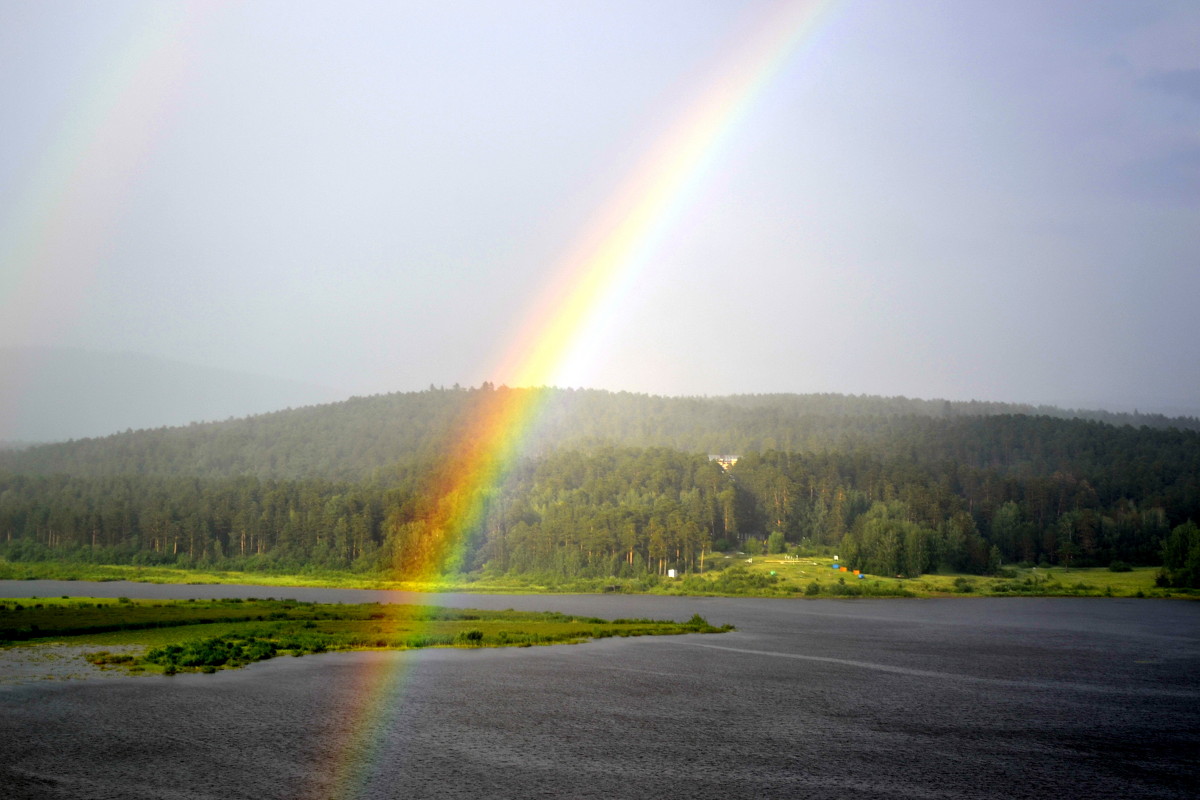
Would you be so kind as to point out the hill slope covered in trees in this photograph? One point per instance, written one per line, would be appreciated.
(353, 439)
(620, 484)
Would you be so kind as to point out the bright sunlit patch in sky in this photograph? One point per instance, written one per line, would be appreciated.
(565, 335)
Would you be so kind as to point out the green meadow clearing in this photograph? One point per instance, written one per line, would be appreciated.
(725, 575)
(205, 635)
(802, 573)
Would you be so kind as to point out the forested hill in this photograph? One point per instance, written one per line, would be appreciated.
(357, 439)
(620, 484)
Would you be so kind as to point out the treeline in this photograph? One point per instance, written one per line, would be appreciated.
(189, 522)
(362, 439)
(620, 511)
(614, 511)
(618, 484)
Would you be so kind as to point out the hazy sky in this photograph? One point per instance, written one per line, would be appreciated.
(992, 200)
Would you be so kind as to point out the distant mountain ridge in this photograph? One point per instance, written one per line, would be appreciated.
(55, 394)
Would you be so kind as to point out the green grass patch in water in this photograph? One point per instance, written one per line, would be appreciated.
(203, 636)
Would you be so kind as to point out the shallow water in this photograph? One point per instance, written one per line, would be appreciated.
(962, 698)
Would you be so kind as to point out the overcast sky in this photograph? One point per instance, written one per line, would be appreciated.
(988, 200)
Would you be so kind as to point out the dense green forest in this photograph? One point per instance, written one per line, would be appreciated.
(614, 484)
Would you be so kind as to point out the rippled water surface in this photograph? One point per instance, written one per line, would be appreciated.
(970, 698)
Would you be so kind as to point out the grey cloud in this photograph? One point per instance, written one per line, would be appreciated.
(1181, 82)
(1173, 176)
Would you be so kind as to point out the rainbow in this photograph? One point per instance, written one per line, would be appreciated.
(566, 322)
(49, 250)
(599, 270)
(53, 242)
(590, 282)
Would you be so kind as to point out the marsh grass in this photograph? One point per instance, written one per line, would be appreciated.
(183, 635)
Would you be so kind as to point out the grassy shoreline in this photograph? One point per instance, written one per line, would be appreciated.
(738, 576)
(172, 636)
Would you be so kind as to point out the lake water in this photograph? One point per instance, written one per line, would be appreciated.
(959, 698)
